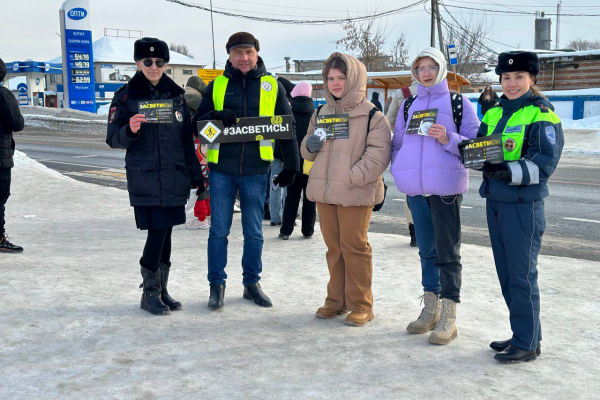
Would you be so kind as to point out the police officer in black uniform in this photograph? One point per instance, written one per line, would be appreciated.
(160, 162)
(515, 190)
(11, 121)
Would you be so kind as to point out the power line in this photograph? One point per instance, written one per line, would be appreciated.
(521, 12)
(296, 21)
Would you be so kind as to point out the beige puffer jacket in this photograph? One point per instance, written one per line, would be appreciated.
(348, 172)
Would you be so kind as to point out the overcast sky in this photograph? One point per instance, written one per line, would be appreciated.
(29, 28)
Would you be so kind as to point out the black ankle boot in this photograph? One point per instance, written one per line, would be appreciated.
(6, 246)
(413, 238)
(512, 355)
(168, 300)
(254, 292)
(501, 345)
(151, 301)
(217, 295)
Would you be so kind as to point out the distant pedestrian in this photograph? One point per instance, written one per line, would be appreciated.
(303, 108)
(194, 90)
(487, 100)
(11, 121)
(375, 101)
(160, 163)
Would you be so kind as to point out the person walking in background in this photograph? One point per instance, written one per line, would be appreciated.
(387, 105)
(194, 90)
(487, 100)
(11, 121)
(397, 100)
(427, 167)
(160, 163)
(375, 101)
(346, 181)
(303, 108)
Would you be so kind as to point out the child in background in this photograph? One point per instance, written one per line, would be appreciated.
(202, 206)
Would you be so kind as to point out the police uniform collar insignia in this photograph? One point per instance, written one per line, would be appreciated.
(179, 116)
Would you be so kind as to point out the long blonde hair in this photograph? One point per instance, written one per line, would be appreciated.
(534, 90)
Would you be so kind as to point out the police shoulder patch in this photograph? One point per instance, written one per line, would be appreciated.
(543, 108)
(551, 135)
(113, 113)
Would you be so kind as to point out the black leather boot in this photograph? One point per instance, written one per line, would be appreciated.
(217, 295)
(254, 292)
(512, 355)
(6, 246)
(501, 345)
(168, 300)
(151, 301)
(413, 238)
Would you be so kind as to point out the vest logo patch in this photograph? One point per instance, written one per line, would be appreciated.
(210, 132)
(513, 129)
(510, 144)
(551, 135)
(267, 87)
(113, 113)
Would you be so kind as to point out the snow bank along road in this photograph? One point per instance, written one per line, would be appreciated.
(572, 211)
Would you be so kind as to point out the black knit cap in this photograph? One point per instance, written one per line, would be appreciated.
(244, 39)
(287, 85)
(148, 47)
(518, 61)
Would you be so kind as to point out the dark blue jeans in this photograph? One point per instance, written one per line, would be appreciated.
(437, 230)
(223, 190)
(5, 178)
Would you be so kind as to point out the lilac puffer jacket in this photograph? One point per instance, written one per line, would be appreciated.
(420, 164)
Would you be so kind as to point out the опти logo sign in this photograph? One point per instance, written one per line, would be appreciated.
(77, 13)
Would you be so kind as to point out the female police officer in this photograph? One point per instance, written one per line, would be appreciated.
(160, 163)
(515, 189)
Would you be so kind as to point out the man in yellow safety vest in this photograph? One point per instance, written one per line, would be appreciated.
(245, 89)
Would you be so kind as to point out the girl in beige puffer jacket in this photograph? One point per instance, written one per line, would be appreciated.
(346, 181)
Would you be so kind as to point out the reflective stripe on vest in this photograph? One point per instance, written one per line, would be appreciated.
(513, 134)
(268, 99)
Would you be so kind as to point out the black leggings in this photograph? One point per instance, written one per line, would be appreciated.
(157, 248)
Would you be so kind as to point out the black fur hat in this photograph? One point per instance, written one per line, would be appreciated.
(242, 39)
(150, 48)
(518, 61)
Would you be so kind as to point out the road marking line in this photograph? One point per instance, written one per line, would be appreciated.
(68, 163)
(574, 183)
(398, 199)
(582, 220)
(120, 174)
(92, 155)
(465, 207)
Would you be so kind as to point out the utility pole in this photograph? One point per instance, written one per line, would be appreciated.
(439, 25)
(433, 23)
(558, 9)
(212, 27)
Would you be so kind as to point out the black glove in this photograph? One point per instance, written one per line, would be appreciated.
(227, 116)
(461, 149)
(314, 143)
(199, 183)
(496, 171)
(285, 178)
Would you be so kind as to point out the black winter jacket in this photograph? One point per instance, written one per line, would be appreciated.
(303, 108)
(243, 98)
(160, 161)
(11, 121)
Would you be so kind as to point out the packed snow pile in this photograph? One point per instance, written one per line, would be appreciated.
(103, 109)
(22, 161)
(585, 123)
(61, 113)
(72, 327)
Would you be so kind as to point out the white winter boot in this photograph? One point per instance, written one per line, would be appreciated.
(430, 315)
(445, 330)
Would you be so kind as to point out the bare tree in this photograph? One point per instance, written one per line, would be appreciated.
(583, 44)
(181, 49)
(399, 53)
(366, 39)
(472, 51)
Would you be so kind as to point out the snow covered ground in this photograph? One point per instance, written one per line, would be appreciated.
(71, 326)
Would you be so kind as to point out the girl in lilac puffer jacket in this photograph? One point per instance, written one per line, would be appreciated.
(428, 168)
